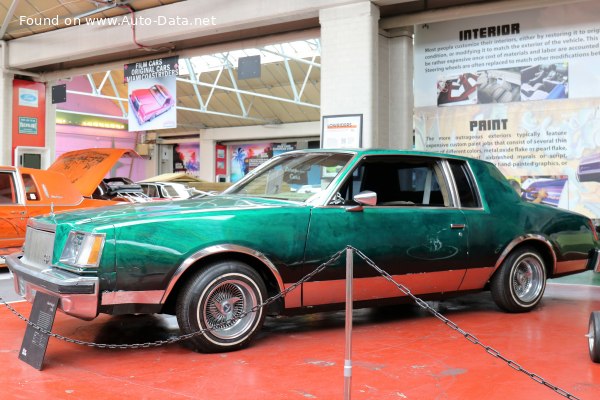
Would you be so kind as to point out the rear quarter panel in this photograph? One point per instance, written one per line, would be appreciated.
(507, 219)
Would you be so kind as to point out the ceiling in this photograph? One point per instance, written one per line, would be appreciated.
(287, 91)
(27, 15)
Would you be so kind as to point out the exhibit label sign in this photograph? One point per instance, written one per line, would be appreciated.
(341, 131)
(518, 90)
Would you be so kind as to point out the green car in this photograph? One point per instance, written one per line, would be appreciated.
(439, 224)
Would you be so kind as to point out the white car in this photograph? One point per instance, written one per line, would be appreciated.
(165, 190)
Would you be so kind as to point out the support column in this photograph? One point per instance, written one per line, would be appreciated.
(5, 110)
(50, 138)
(349, 64)
(401, 97)
(208, 159)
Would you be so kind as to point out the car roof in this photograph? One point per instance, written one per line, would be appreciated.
(379, 151)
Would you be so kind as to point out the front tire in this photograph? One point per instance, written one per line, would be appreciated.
(215, 298)
(520, 283)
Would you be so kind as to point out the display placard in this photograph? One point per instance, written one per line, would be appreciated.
(341, 131)
(35, 342)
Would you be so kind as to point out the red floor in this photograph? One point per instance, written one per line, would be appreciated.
(397, 354)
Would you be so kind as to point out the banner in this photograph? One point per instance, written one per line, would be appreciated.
(152, 93)
(246, 157)
(186, 158)
(519, 90)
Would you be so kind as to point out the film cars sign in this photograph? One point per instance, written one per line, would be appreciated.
(152, 93)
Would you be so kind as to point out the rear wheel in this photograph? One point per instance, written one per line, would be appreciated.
(594, 336)
(520, 283)
(219, 298)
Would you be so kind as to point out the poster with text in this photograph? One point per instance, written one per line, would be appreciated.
(520, 90)
(246, 157)
(185, 158)
(152, 93)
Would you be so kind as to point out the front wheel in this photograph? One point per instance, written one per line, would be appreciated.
(219, 299)
(520, 283)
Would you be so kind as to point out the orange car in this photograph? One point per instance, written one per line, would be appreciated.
(73, 181)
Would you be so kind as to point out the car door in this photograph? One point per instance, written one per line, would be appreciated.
(13, 213)
(414, 232)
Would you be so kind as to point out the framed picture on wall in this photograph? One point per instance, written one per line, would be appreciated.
(341, 131)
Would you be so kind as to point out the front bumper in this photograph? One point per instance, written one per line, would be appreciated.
(78, 295)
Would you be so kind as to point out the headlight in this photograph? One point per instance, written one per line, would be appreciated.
(83, 249)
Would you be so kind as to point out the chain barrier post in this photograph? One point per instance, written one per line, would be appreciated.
(349, 299)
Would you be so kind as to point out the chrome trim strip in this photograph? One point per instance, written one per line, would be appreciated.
(596, 261)
(450, 183)
(132, 297)
(43, 226)
(222, 248)
(522, 239)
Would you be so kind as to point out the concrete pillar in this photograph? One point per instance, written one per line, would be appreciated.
(50, 138)
(5, 110)
(400, 84)
(350, 65)
(207, 159)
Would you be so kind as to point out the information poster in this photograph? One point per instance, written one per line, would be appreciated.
(519, 90)
(341, 131)
(152, 93)
(185, 158)
(246, 157)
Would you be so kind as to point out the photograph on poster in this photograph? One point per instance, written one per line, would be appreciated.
(545, 82)
(151, 103)
(457, 90)
(498, 86)
(550, 190)
(589, 168)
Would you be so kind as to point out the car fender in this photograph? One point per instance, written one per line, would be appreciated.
(531, 239)
(221, 249)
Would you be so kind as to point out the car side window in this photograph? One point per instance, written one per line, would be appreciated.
(8, 193)
(399, 181)
(31, 190)
(465, 184)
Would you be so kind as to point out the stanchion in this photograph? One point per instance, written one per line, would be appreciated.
(349, 298)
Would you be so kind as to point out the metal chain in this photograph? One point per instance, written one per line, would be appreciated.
(179, 338)
(471, 338)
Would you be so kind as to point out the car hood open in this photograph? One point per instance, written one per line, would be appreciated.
(86, 168)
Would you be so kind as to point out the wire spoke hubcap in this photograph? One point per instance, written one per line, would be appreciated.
(528, 278)
(225, 309)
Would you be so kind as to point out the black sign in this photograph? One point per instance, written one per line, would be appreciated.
(35, 342)
(248, 67)
(151, 69)
(59, 93)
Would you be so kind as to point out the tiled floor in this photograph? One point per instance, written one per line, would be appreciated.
(398, 353)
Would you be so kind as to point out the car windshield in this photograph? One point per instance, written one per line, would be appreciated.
(295, 176)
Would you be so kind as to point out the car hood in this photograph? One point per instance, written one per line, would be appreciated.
(86, 168)
(161, 209)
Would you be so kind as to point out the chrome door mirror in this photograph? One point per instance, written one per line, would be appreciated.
(366, 198)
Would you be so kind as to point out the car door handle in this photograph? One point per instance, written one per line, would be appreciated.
(457, 226)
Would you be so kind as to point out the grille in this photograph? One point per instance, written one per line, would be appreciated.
(39, 247)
